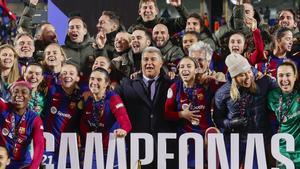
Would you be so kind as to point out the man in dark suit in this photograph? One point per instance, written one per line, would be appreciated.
(144, 98)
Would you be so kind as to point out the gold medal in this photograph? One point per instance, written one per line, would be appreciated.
(284, 119)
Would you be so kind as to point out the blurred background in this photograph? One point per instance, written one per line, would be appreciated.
(214, 12)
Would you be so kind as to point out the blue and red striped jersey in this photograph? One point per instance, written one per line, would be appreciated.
(61, 112)
(270, 66)
(17, 132)
(103, 116)
(199, 99)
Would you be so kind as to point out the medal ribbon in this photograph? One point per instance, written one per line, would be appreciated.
(15, 133)
(97, 113)
(289, 101)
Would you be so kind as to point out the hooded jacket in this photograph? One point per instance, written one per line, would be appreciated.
(80, 54)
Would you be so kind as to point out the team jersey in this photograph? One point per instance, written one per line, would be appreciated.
(199, 99)
(271, 65)
(17, 132)
(103, 116)
(51, 78)
(287, 108)
(61, 112)
(37, 102)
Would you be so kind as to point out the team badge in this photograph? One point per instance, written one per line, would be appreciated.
(185, 106)
(200, 96)
(5, 131)
(22, 130)
(170, 93)
(53, 110)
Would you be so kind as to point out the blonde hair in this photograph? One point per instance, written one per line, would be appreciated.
(14, 73)
(234, 91)
(61, 51)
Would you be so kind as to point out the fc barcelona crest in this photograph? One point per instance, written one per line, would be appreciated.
(200, 96)
(185, 106)
(21, 130)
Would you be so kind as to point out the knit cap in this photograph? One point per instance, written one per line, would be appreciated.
(237, 64)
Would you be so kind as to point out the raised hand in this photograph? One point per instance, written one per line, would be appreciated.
(120, 133)
(188, 114)
(34, 2)
(251, 23)
(101, 39)
(175, 3)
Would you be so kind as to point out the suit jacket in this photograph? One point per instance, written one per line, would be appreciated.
(145, 115)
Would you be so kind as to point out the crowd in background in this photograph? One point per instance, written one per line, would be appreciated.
(162, 75)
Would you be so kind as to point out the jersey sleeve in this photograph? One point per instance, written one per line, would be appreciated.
(170, 106)
(118, 109)
(3, 105)
(258, 54)
(38, 143)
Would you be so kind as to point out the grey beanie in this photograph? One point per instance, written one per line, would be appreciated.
(237, 64)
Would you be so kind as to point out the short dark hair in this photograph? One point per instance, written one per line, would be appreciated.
(105, 72)
(77, 17)
(112, 16)
(69, 62)
(289, 10)
(196, 34)
(198, 17)
(141, 28)
(34, 64)
(281, 32)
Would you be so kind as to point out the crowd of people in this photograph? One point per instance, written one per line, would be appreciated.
(161, 76)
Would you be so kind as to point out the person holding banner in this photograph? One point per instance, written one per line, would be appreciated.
(103, 112)
(189, 102)
(285, 102)
(241, 105)
(19, 127)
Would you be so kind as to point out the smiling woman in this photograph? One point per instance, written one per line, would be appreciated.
(103, 112)
(34, 75)
(189, 102)
(20, 126)
(284, 101)
(9, 64)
